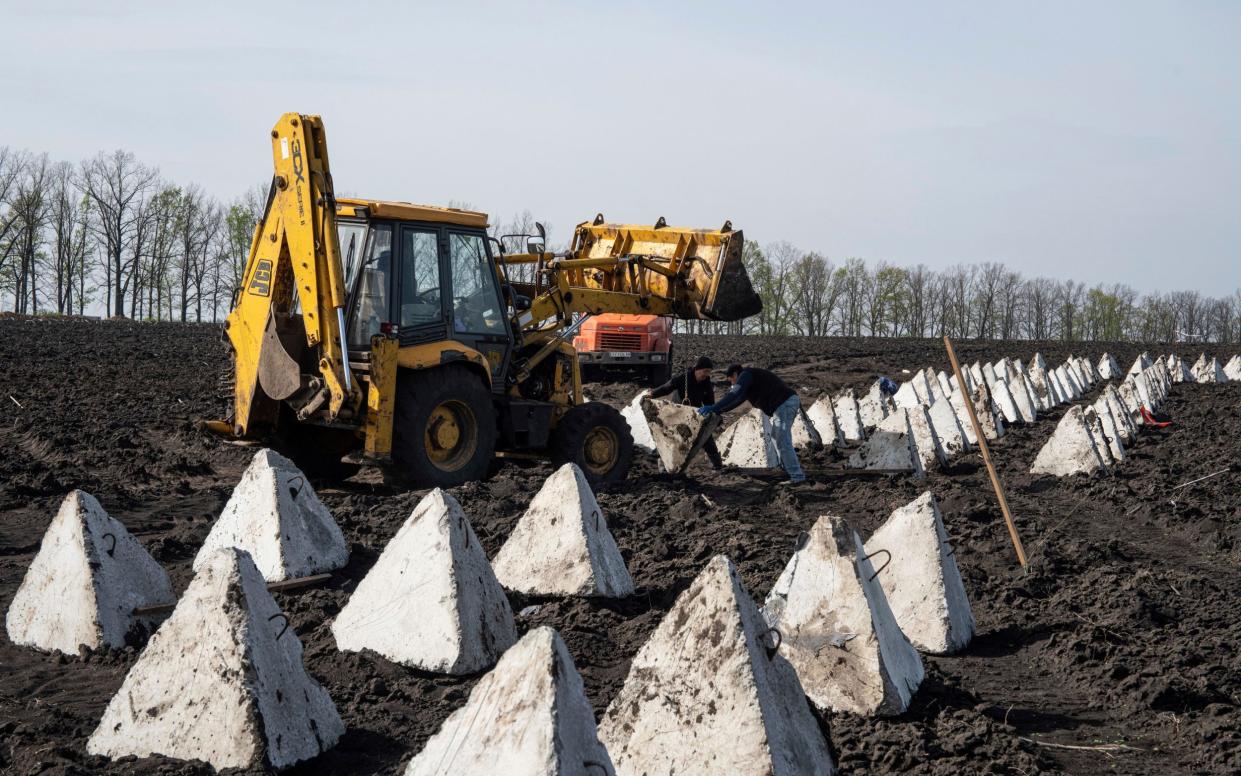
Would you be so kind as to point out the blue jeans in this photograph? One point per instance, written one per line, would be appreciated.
(782, 431)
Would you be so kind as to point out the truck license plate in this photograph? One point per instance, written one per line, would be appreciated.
(620, 354)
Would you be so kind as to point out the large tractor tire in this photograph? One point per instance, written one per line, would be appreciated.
(596, 438)
(444, 429)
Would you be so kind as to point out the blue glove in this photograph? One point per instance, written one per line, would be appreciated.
(707, 410)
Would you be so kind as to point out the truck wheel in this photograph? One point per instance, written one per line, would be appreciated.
(444, 429)
(596, 438)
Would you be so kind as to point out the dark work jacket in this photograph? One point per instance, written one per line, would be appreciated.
(691, 391)
(761, 388)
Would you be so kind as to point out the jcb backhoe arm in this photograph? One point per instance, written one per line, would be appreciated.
(294, 263)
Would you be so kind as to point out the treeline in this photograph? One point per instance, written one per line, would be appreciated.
(112, 235)
(805, 293)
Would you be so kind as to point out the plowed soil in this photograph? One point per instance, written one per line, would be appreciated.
(1114, 651)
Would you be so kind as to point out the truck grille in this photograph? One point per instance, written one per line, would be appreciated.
(614, 341)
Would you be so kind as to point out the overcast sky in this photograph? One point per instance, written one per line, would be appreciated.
(1099, 141)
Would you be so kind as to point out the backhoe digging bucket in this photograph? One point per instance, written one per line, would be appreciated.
(278, 371)
(700, 270)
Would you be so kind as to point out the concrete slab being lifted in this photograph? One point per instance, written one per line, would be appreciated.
(431, 601)
(1070, 449)
(221, 681)
(562, 545)
(275, 515)
(748, 444)
(529, 716)
(709, 693)
(674, 428)
(837, 629)
(922, 582)
(85, 582)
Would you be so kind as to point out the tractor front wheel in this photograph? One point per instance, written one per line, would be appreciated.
(444, 431)
(595, 437)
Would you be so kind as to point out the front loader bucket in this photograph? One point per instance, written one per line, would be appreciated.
(701, 271)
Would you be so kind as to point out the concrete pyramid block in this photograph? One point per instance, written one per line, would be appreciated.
(1003, 368)
(1209, 371)
(848, 416)
(748, 443)
(945, 385)
(1060, 393)
(1112, 433)
(1180, 371)
(1124, 422)
(890, 446)
(1108, 369)
(275, 515)
(804, 434)
(1094, 424)
(1076, 387)
(1043, 395)
(562, 545)
(1140, 363)
(1071, 448)
(674, 428)
(1141, 384)
(431, 601)
(922, 387)
(1092, 372)
(709, 693)
(957, 402)
(528, 716)
(1155, 388)
(988, 414)
(874, 406)
(85, 582)
(823, 416)
(988, 374)
(1128, 393)
(1081, 372)
(926, 443)
(221, 681)
(1004, 401)
(976, 374)
(1067, 384)
(1039, 361)
(837, 629)
(921, 581)
(948, 429)
(1021, 382)
(1022, 399)
(1232, 370)
(906, 397)
(934, 391)
(638, 426)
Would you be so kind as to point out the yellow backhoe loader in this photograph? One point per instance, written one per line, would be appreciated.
(402, 334)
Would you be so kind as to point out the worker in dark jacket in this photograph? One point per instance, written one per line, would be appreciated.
(763, 389)
(694, 388)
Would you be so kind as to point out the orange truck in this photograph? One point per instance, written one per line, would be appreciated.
(619, 343)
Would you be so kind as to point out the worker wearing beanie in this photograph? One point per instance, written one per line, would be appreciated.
(694, 388)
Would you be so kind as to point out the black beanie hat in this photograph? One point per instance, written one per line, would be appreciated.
(704, 363)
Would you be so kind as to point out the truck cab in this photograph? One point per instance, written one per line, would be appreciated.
(616, 343)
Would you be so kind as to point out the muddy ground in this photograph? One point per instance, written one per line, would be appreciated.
(1115, 651)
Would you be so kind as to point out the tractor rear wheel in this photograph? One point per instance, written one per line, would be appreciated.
(595, 437)
(444, 429)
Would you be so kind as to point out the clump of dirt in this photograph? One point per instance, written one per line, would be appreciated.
(1118, 640)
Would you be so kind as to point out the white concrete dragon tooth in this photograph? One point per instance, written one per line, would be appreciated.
(638, 427)
(837, 628)
(805, 435)
(921, 580)
(674, 428)
(275, 515)
(709, 691)
(748, 442)
(873, 407)
(85, 582)
(890, 446)
(1071, 448)
(848, 416)
(906, 396)
(1113, 435)
(1094, 425)
(528, 716)
(561, 546)
(1005, 402)
(221, 681)
(823, 416)
(947, 428)
(927, 445)
(431, 601)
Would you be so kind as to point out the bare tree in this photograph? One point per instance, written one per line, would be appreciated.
(117, 185)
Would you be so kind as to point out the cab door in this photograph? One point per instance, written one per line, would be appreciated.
(421, 313)
(476, 308)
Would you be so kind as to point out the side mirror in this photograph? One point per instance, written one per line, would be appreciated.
(534, 247)
(521, 303)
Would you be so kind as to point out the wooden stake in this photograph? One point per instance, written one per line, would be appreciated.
(986, 452)
(272, 587)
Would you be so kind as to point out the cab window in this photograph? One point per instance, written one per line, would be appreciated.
(420, 278)
(371, 307)
(476, 307)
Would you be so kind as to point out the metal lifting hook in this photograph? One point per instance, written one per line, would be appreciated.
(881, 568)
